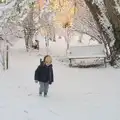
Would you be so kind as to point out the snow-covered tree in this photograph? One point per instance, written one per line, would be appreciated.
(107, 19)
(10, 23)
(84, 22)
(29, 28)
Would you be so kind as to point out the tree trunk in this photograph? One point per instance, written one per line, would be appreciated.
(113, 28)
(26, 39)
(29, 29)
(114, 17)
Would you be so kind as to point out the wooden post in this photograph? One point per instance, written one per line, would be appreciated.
(7, 57)
(105, 62)
(70, 64)
(3, 59)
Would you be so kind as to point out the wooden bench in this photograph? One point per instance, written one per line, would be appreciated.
(86, 52)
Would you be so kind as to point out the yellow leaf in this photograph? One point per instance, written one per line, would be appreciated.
(39, 4)
(65, 11)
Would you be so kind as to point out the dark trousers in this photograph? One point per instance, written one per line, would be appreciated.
(43, 88)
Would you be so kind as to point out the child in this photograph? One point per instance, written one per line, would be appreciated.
(44, 75)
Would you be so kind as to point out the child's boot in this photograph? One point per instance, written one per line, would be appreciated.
(45, 94)
(40, 93)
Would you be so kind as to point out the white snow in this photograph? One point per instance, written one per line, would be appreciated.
(99, 2)
(8, 6)
(80, 94)
(117, 6)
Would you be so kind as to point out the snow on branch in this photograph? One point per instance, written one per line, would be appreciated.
(98, 2)
(117, 6)
(107, 27)
(84, 22)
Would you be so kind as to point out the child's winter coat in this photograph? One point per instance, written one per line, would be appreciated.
(44, 73)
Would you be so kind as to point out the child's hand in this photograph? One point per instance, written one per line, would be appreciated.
(50, 83)
(36, 81)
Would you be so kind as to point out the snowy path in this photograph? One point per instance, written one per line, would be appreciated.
(77, 94)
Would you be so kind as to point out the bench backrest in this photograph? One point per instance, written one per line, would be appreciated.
(87, 50)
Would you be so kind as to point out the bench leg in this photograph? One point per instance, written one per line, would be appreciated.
(105, 62)
(70, 63)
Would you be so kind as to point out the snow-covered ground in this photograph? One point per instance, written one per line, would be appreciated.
(77, 94)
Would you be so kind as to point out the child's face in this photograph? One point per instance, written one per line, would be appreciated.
(47, 64)
(48, 61)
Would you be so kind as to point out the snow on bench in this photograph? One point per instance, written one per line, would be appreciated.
(86, 52)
